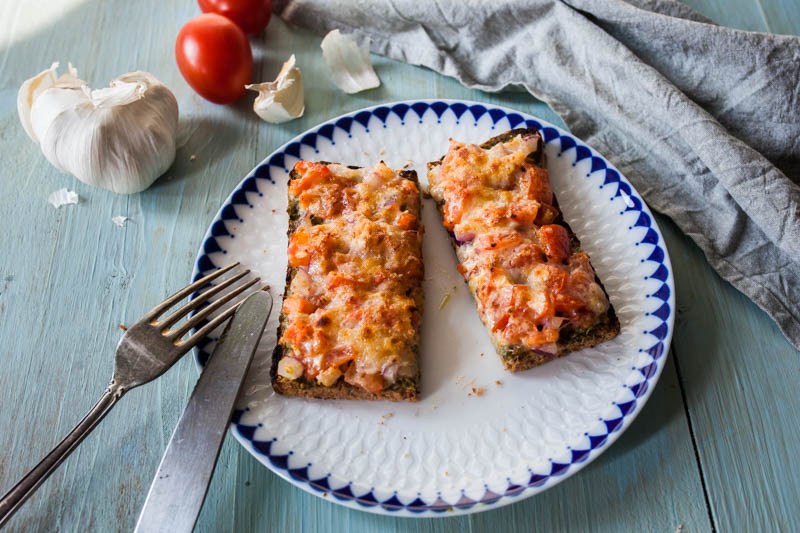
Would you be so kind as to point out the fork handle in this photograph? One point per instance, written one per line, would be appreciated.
(14, 498)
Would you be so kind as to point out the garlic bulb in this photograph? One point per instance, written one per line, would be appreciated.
(350, 65)
(120, 138)
(280, 100)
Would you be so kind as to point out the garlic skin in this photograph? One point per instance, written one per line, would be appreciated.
(63, 197)
(280, 100)
(35, 86)
(350, 65)
(121, 138)
(119, 221)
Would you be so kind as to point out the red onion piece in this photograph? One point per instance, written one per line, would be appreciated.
(554, 322)
(466, 236)
(548, 350)
(390, 372)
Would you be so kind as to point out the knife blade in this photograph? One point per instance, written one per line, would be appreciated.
(181, 483)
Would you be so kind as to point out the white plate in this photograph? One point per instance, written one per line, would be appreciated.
(455, 449)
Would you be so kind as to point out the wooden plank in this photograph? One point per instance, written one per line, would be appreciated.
(743, 14)
(772, 16)
(68, 267)
(740, 375)
(741, 378)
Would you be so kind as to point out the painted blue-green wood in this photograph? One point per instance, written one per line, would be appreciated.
(741, 378)
(69, 277)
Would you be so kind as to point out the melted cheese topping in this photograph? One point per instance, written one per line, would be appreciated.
(527, 282)
(353, 307)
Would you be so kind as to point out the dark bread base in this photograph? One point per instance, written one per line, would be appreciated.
(517, 358)
(405, 390)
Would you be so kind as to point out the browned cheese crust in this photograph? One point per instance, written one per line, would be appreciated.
(404, 389)
(517, 358)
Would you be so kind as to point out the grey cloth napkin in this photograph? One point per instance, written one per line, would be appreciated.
(703, 119)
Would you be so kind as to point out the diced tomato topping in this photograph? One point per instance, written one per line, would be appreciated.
(454, 210)
(498, 241)
(339, 280)
(301, 166)
(566, 303)
(555, 241)
(461, 269)
(526, 254)
(312, 174)
(371, 382)
(558, 278)
(535, 185)
(523, 211)
(545, 336)
(406, 220)
(338, 356)
(297, 332)
(297, 305)
(308, 198)
(409, 186)
(502, 323)
(298, 249)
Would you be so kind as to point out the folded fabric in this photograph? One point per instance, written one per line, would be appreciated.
(704, 120)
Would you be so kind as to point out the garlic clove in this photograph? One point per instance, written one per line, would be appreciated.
(40, 83)
(29, 91)
(280, 100)
(120, 138)
(350, 64)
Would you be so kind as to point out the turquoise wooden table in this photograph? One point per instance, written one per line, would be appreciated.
(715, 448)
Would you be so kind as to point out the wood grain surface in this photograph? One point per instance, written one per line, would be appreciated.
(715, 448)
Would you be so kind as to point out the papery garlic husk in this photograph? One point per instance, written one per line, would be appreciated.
(121, 138)
(280, 100)
(63, 197)
(350, 65)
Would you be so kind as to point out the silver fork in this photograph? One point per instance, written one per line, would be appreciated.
(146, 350)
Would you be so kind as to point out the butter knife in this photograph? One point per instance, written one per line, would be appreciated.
(180, 485)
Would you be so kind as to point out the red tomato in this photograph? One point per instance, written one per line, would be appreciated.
(250, 15)
(215, 58)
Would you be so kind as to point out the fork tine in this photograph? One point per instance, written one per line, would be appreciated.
(196, 319)
(212, 325)
(202, 298)
(186, 291)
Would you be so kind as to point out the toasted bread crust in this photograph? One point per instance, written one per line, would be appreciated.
(407, 390)
(517, 358)
(341, 390)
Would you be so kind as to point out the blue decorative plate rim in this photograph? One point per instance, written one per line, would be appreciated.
(662, 334)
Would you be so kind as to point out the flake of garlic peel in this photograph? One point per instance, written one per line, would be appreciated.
(350, 65)
(62, 197)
